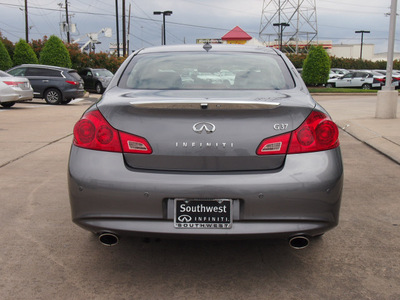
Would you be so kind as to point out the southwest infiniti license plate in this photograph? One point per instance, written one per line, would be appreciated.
(203, 214)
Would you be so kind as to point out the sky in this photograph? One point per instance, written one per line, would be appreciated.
(337, 20)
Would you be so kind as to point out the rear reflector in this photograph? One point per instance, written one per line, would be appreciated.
(274, 145)
(134, 144)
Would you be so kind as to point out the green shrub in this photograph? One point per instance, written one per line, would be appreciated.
(297, 59)
(55, 53)
(5, 59)
(23, 54)
(316, 67)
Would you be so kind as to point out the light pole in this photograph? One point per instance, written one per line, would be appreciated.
(386, 106)
(163, 13)
(281, 27)
(26, 22)
(362, 39)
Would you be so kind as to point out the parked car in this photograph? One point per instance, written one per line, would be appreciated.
(395, 77)
(14, 89)
(358, 79)
(159, 156)
(54, 84)
(96, 79)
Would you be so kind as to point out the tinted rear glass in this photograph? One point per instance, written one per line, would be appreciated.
(204, 71)
(75, 75)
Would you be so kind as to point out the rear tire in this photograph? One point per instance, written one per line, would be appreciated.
(99, 88)
(366, 86)
(330, 85)
(7, 104)
(52, 96)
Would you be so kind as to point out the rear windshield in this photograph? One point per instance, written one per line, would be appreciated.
(75, 75)
(204, 71)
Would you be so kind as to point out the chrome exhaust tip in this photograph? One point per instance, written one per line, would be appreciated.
(108, 239)
(299, 242)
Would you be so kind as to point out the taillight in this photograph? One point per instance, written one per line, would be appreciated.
(72, 82)
(92, 131)
(317, 133)
(13, 83)
(381, 80)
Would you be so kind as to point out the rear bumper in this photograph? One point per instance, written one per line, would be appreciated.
(68, 94)
(17, 96)
(301, 198)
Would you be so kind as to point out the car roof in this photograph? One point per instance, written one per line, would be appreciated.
(44, 67)
(201, 48)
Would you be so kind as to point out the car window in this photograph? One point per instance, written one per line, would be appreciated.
(42, 72)
(361, 74)
(17, 72)
(103, 72)
(75, 75)
(348, 75)
(201, 71)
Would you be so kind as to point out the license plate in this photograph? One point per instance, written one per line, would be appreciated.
(203, 214)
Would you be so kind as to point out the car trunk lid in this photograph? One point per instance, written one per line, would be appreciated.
(205, 134)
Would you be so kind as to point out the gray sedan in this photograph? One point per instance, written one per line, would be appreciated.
(213, 141)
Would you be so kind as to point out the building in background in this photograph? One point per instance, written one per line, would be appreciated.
(236, 36)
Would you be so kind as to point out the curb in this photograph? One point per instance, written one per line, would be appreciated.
(373, 139)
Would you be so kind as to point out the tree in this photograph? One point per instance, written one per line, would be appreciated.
(23, 54)
(8, 44)
(5, 59)
(316, 67)
(55, 53)
(37, 45)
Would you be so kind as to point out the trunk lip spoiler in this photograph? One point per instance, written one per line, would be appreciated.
(205, 105)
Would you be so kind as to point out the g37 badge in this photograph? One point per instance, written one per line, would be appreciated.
(281, 126)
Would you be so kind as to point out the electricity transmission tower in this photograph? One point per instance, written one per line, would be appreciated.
(294, 22)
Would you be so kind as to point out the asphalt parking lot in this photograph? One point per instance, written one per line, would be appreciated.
(45, 256)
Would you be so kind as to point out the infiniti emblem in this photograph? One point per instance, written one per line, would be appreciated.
(184, 218)
(204, 126)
